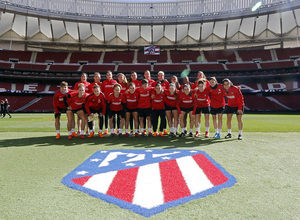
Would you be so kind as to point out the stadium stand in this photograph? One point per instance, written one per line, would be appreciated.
(28, 66)
(44, 104)
(179, 56)
(278, 64)
(89, 57)
(64, 67)
(250, 55)
(170, 67)
(207, 66)
(55, 57)
(118, 56)
(7, 55)
(5, 64)
(220, 55)
(97, 67)
(17, 102)
(162, 58)
(287, 53)
(133, 67)
(241, 66)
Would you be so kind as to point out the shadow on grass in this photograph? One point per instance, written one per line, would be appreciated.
(128, 142)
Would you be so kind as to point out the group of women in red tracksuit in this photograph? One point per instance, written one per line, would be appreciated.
(142, 104)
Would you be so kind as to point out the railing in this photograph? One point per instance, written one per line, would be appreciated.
(141, 11)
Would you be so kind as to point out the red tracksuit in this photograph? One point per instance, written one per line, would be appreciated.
(235, 97)
(96, 103)
(217, 96)
(158, 101)
(170, 100)
(86, 85)
(75, 102)
(185, 101)
(144, 97)
(132, 100)
(108, 87)
(116, 102)
(58, 101)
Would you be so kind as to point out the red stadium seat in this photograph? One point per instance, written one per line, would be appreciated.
(207, 66)
(170, 67)
(162, 58)
(64, 67)
(123, 56)
(90, 57)
(6, 55)
(250, 55)
(287, 53)
(134, 67)
(241, 66)
(56, 57)
(178, 56)
(217, 55)
(97, 67)
(28, 66)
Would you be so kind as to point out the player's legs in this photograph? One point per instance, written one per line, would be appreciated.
(57, 125)
(136, 121)
(82, 116)
(182, 117)
(240, 125)
(127, 119)
(192, 122)
(149, 125)
(229, 119)
(154, 116)
(162, 115)
(71, 124)
(197, 123)
(220, 123)
(57, 121)
(169, 118)
(120, 128)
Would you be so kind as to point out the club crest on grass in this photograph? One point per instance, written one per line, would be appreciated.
(148, 182)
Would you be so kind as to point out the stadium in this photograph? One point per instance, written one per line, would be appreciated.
(253, 43)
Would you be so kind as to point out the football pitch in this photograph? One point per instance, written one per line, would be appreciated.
(265, 164)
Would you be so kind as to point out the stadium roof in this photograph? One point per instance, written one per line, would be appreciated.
(73, 23)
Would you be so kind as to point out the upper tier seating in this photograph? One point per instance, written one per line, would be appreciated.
(162, 58)
(250, 55)
(90, 57)
(178, 56)
(124, 56)
(7, 55)
(97, 67)
(217, 55)
(55, 57)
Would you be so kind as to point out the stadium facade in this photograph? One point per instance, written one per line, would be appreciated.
(87, 25)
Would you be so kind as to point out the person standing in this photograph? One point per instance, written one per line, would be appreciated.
(75, 104)
(235, 105)
(158, 109)
(107, 89)
(5, 108)
(2, 108)
(59, 105)
(217, 104)
(95, 104)
(185, 105)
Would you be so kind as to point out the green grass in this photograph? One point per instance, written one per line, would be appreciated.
(252, 123)
(265, 163)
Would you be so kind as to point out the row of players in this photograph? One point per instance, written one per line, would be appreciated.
(148, 100)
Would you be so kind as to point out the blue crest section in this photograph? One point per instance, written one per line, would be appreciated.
(114, 160)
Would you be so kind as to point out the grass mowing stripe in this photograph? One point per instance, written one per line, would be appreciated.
(252, 123)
